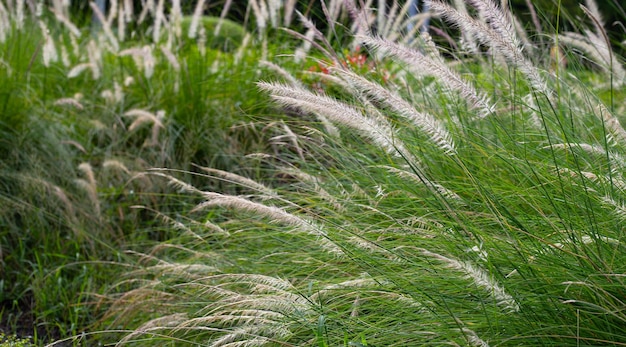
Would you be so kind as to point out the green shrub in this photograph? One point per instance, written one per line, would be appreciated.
(228, 38)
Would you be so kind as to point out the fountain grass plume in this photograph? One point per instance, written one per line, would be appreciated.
(423, 64)
(498, 36)
(433, 127)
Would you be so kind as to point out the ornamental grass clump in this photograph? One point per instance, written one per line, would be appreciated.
(85, 109)
(471, 202)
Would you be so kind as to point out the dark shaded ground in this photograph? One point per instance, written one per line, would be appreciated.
(18, 319)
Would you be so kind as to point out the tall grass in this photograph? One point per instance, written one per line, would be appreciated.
(465, 202)
(85, 110)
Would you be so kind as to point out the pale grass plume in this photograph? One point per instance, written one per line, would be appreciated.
(149, 62)
(275, 214)
(69, 102)
(94, 54)
(5, 23)
(67, 204)
(598, 51)
(405, 174)
(431, 126)
(49, 51)
(176, 18)
(497, 36)
(19, 14)
(190, 272)
(195, 20)
(61, 16)
(128, 81)
(377, 129)
(65, 56)
(106, 27)
(158, 21)
(381, 14)
(261, 284)
(89, 185)
(361, 285)
(200, 256)
(290, 6)
(334, 8)
(113, 11)
(117, 166)
(114, 96)
(366, 245)
(286, 75)
(121, 24)
(362, 18)
(223, 14)
(480, 277)
(468, 42)
(597, 150)
(75, 144)
(142, 117)
(586, 240)
(527, 44)
(594, 11)
(381, 133)
(171, 58)
(148, 6)
(259, 15)
(396, 20)
(616, 181)
(314, 181)
(241, 181)
(289, 139)
(87, 171)
(237, 316)
(155, 325)
(182, 187)
(324, 46)
(208, 228)
(250, 336)
(330, 129)
(418, 21)
(264, 11)
(619, 207)
(302, 51)
(143, 58)
(531, 106)
(423, 64)
(217, 62)
(498, 19)
(128, 11)
(146, 296)
(472, 338)
(273, 8)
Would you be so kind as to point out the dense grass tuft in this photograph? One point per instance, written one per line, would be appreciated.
(471, 201)
(354, 184)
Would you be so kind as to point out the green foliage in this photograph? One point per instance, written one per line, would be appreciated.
(474, 200)
(229, 36)
(13, 341)
(418, 210)
(72, 152)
